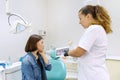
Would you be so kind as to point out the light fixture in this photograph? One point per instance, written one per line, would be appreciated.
(17, 23)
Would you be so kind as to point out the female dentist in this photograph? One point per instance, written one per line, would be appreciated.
(92, 47)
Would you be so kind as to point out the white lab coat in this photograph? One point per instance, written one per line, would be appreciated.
(92, 65)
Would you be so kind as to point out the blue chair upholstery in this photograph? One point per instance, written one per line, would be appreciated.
(20, 59)
(58, 71)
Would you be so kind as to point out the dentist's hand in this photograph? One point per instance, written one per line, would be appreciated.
(66, 53)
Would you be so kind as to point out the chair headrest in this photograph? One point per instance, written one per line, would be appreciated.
(53, 55)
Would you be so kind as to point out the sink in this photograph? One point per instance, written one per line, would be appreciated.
(13, 71)
(12, 68)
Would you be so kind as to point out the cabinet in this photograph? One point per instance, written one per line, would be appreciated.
(2, 73)
(72, 69)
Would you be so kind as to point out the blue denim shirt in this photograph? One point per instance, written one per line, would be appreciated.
(31, 70)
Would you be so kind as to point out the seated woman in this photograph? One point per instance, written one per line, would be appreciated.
(35, 63)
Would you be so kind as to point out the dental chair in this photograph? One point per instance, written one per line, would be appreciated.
(58, 71)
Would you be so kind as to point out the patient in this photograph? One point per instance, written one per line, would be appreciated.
(34, 63)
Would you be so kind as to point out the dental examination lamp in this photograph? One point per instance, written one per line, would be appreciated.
(17, 23)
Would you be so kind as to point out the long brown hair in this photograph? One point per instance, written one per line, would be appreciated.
(99, 14)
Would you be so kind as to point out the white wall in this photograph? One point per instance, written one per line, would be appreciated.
(63, 22)
(34, 12)
(114, 38)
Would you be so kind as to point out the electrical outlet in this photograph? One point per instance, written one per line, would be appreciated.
(42, 32)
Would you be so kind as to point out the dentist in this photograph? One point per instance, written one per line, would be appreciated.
(92, 47)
